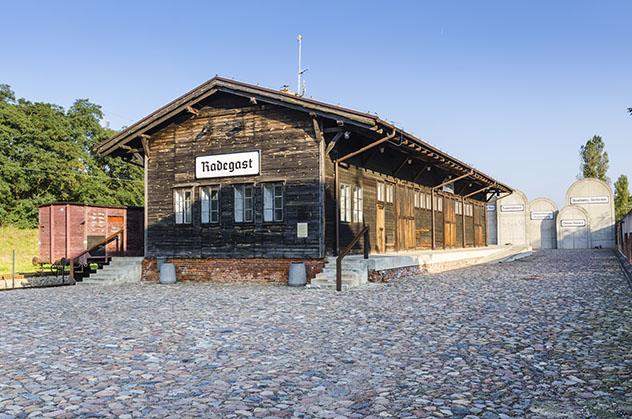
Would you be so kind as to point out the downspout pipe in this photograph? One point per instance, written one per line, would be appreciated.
(337, 177)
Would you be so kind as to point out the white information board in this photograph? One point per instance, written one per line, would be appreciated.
(541, 215)
(512, 208)
(590, 200)
(574, 223)
(301, 230)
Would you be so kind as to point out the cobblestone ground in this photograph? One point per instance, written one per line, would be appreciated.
(547, 336)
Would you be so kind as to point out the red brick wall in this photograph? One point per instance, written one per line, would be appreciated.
(231, 270)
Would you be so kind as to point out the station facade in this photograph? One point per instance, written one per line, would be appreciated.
(241, 180)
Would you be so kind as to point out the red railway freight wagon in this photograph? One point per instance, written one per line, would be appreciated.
(68, 229)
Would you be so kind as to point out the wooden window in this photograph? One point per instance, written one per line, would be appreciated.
(428, 201)
(243, 204)
(380, 192)
(438, 203)
(272, 203)
(182, 203)
(416, 203)
(357, 204)
(469, 210)
(389, 194)
(458, 208)
(209, 200)
(345, 203)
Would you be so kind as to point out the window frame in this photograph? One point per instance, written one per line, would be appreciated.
(211, 211)
(380, 190)
(389, 193)
(244, 200)
(357, 210)
(176, 206)
(274, 209)
(345, 203)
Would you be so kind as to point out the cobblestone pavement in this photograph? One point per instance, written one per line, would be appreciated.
(546, 336)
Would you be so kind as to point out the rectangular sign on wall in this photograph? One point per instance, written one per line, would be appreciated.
(228, 165)
(590, 200)
(573, 223)
(512, 208)
(490, 207)
(541, 215)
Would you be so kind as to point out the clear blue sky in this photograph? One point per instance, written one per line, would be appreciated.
(511, 87)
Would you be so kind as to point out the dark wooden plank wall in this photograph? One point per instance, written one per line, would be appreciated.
(352, 175)
(289, 155)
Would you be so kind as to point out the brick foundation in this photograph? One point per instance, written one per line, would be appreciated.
(231, 270)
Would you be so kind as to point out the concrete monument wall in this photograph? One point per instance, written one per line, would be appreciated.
(513, 212)
(542, 223)
(595, 197)
(492, 222)
(573, 228)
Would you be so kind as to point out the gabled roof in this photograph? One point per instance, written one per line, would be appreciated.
(289, 100)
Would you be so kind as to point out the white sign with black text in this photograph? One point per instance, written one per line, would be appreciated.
(574, 223)
(541, 215)
(228, 165)
(590, 200)
(490, 207)
(512, 208)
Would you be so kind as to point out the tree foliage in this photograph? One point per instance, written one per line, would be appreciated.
(622, 198)
(46, 155)
(594, 159)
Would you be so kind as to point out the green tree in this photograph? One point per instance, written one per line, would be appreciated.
(46, 155)
(594, 159)
(622, 198)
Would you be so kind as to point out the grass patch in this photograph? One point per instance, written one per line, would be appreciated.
(25, 243)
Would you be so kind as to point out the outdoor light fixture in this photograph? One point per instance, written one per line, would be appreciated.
(381, 149)
(347, 135)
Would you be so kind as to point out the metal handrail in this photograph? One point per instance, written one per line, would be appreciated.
(118, 236)
(364, 232)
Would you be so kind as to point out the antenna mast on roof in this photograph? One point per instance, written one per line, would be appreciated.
(300, 88)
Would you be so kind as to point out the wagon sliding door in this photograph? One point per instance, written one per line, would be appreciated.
(115, 224)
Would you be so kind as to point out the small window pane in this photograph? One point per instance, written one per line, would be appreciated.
(182, 206)
(239, 204)
(357, 205)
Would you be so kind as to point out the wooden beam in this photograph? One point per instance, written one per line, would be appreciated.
(333, 142)
(317, 130)
(145, 141)
(330, 130)
(479, 191)
(425, 168)
(447, 182)
(192, 110)
(401, 166)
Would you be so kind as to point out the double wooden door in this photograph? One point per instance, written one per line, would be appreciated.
(449, 222)
(406, 218)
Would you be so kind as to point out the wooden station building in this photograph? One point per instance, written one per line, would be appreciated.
(240, 180)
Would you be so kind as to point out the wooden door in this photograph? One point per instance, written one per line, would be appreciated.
(478, 225)
(380, 228)
(449, 222)
(115, 224)
(406, 218)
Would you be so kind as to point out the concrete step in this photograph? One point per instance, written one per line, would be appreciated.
(331, 284)
(120, 270)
